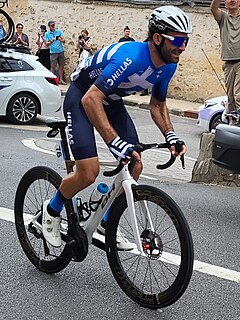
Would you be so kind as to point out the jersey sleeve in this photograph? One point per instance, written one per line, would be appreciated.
(160, 89)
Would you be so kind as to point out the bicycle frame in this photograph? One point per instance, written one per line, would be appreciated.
(123, 182)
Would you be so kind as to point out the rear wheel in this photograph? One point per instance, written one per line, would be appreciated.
(37, 185)
(159, 275)
(8, 25)
(22, 109)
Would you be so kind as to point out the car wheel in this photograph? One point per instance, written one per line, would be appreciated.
(22, 109)
(215, 121)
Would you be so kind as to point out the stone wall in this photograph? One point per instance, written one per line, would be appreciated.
(194, 80)
(205, 171)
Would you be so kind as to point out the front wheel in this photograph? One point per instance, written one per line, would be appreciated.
(158, 274)
(37, 185)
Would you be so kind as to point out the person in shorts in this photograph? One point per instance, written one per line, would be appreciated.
(54, 39)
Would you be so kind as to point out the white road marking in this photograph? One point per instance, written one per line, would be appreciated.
(30, 143)
(210, 269)
(25, 127)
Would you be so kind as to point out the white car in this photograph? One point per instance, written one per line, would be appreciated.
(210, 113)
(27, 88)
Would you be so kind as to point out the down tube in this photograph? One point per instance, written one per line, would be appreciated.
(127, 186)
(107, 201)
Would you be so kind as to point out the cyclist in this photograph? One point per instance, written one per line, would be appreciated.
(94, 99)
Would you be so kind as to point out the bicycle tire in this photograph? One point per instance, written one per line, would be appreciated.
(11, 27)
(153, 279)
(37, 185)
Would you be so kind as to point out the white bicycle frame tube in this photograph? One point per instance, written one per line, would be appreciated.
(127, 186)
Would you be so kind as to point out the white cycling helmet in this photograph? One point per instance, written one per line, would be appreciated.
(169, 18)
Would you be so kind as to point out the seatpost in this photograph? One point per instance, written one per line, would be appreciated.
(68, 162)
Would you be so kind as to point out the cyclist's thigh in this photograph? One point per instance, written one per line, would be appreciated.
(80, 130)
(122, 122)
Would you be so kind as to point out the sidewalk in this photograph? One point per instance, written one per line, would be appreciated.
(177, 107)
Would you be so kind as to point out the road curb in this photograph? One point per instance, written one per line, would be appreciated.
(177, 112)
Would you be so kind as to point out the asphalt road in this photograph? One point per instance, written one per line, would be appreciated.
(88, 290)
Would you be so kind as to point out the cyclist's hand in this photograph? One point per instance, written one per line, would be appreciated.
(177, 146)
(122, 150)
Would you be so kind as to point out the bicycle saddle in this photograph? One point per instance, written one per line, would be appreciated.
(56, 123)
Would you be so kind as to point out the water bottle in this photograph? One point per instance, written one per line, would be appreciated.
(97, 196)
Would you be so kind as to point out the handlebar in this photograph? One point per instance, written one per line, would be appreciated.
(142, 147)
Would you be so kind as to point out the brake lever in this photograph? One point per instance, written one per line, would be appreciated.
(178, 148)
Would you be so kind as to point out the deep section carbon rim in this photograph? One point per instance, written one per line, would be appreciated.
(159, 275)
(36, 186)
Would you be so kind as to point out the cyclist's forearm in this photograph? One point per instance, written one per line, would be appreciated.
(160, 115)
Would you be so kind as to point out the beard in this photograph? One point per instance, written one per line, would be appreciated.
(171, 56)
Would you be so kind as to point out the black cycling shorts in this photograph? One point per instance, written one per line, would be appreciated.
(80, 130)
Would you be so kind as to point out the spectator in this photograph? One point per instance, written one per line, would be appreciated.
(43, 50)
(2, 30)
(126, 36)
(229, 25)
(20, 38)
(54, 39)
(84, 45)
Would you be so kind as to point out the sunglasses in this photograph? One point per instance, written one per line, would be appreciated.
(20, 27)
(176, 41)
(52, 25)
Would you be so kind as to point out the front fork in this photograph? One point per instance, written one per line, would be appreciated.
(127, 186)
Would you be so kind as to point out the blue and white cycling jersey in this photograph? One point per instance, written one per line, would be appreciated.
(122, 68)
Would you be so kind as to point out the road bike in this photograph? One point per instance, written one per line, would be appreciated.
(9, 26)
(154, 273)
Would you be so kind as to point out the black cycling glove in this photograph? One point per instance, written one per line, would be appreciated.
(121, 149)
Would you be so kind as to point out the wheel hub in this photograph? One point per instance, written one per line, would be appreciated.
(152, 244)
